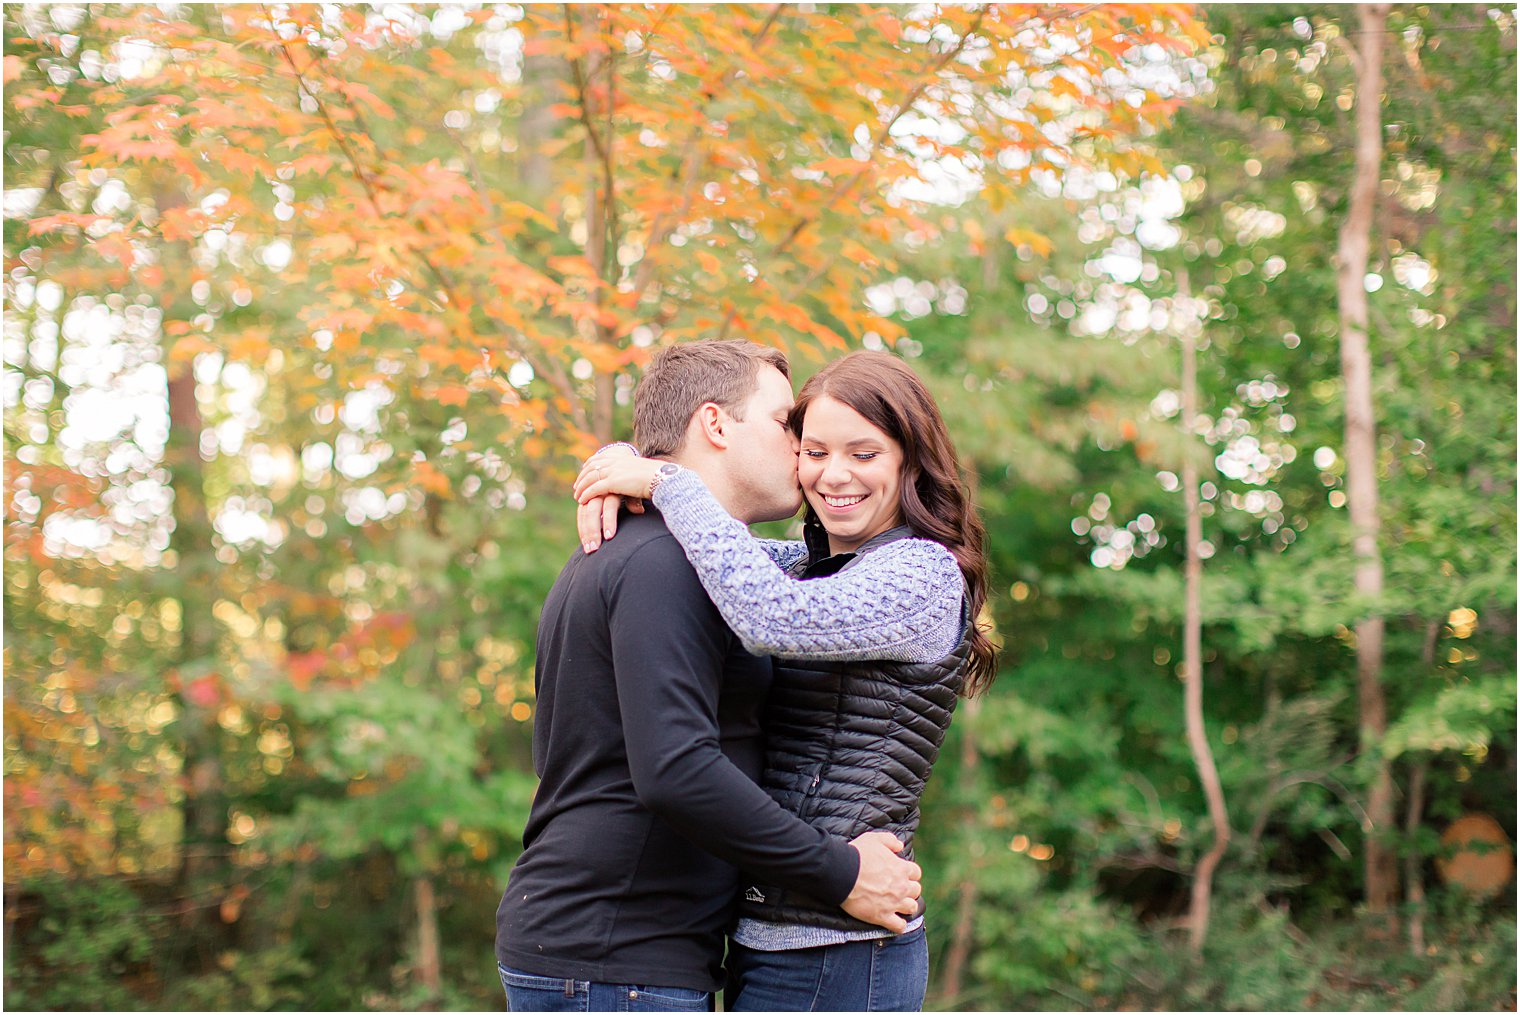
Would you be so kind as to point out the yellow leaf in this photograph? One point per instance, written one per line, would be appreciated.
(1060, 85)
(1038, 242)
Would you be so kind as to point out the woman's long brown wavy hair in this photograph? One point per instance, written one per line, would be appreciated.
(935, 502)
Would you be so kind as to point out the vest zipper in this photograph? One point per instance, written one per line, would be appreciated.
(810, 794)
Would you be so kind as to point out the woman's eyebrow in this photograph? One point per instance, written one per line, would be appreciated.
(858, 442)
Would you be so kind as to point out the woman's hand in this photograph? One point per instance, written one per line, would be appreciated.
(621, 475)
(609, 477)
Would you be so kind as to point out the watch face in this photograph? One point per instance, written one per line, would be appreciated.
(669, 469)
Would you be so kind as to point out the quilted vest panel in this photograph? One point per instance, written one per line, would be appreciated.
(849, 746)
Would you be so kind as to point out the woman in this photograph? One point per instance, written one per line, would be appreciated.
(873, 645)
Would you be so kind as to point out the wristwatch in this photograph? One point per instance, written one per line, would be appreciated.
(661, 474)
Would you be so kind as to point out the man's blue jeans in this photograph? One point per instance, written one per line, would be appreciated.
(527, 992)
(888, 974)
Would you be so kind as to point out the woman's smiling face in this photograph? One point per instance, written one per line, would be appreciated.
(850, 473)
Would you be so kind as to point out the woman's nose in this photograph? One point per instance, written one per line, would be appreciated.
(836, 470)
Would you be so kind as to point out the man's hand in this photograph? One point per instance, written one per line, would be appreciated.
(887, 885)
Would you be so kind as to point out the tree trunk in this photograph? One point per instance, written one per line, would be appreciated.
(203, 874)
(962, 932)
(1192, 658)
(204, 807)
(1414, 882)
(429, 963)
(1380, 862)
(542, 76)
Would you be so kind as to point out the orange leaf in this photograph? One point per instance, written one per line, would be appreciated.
(181, 224)
(431, 480)
(571, 265)
(839, 166)
(116, 247)
(53, 223)
(827, 336)
(452, 394)
(332, 245)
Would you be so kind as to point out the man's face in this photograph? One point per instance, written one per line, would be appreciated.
(762, 453)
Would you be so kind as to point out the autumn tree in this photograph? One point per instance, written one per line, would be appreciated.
(394, 265)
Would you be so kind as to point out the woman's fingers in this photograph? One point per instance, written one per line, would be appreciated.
(606, 480)
(599, 488)
(588, 524)
(609, 516)
(599, 464)
(590, 473)
(596, 518)
(596, 467)
(628, 478)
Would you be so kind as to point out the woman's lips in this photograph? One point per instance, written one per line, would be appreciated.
(842, 505)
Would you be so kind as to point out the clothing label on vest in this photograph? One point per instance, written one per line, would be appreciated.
(753, 894)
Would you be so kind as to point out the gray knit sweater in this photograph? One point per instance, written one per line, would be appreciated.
(900, 603)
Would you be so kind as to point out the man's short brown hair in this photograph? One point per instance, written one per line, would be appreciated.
(682, 377)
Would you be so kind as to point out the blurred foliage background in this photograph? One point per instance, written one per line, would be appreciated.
(311, 310)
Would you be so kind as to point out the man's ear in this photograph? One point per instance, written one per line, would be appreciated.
(708, 424)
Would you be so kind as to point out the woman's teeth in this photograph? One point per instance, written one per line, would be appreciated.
(843, 502)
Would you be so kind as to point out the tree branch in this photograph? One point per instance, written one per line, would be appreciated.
(692, 161)
(547, 368)
(844, 186)
(582, 106)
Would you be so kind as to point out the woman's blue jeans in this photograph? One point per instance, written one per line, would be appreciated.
(888, 974)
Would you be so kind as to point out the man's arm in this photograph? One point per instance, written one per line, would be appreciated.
(669, 646)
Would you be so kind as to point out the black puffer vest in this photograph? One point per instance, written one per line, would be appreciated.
(849, 746)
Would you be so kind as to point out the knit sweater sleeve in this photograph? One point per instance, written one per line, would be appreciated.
(782, 552)
(900, 602)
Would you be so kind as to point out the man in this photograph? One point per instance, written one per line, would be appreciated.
(647, 739)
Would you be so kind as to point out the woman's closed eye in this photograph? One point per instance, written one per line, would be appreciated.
(859, 456)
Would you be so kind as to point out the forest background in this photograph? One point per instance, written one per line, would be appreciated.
(310, 312)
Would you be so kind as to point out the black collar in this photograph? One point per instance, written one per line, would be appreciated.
(820, 562)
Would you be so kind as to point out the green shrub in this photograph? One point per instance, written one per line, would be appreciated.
(82, 944)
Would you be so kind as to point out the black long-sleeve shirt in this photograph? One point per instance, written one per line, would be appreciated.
(648, 748)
